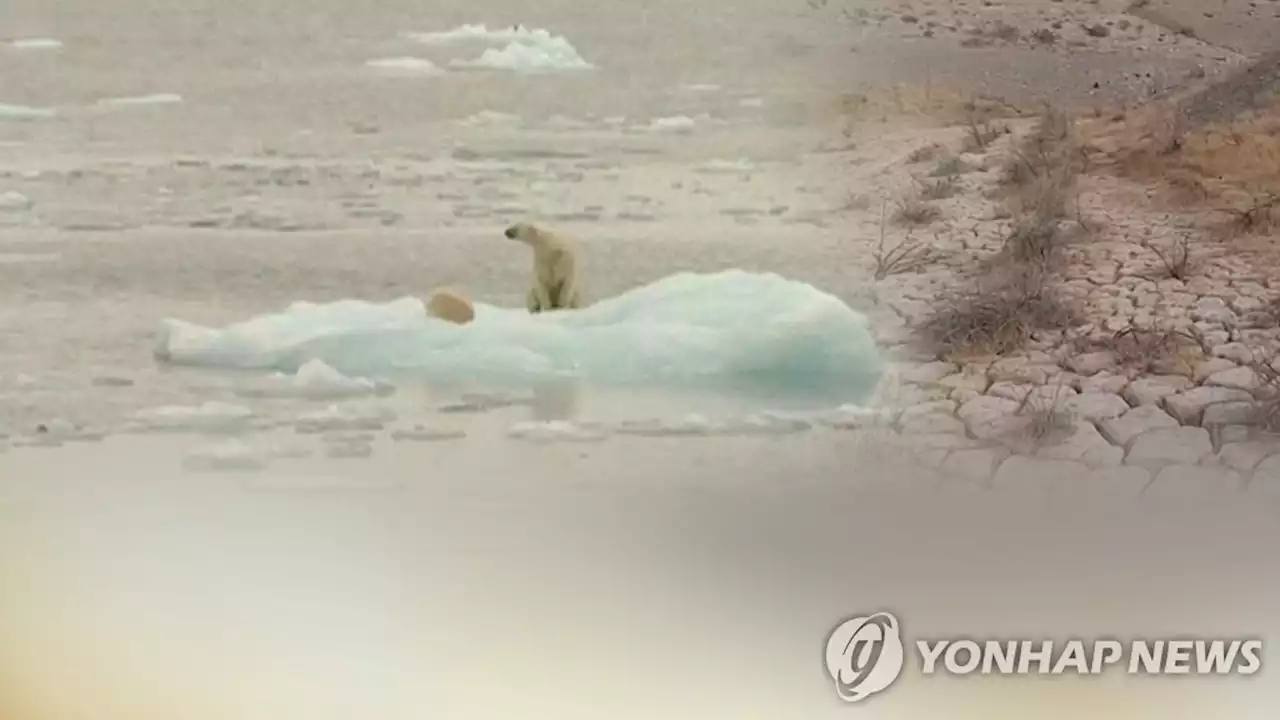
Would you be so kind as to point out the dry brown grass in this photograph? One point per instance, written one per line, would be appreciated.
(940, 188)
(1047, 419)
(1231, 170)
(1177, 260)
(1039, 175)
(906, 256)
(1168, 351)
(997, 313)
(915, 211)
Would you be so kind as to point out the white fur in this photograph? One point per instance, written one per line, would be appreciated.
(555, 268)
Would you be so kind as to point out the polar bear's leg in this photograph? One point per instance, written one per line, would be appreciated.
(538, 299)
(566, 274)
(567, 297)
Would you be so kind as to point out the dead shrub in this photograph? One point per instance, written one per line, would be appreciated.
(913, 210)
(1048, 419)
(996, 314)
(940, 189)
(1176, 260)
(1259, 214)
(1152, 350)
(906, 256)
(924, 154)
(1267, 396)
(1035, 240)
(951, 166)
(982, 134)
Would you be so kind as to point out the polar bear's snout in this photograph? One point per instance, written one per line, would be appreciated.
(512, 232)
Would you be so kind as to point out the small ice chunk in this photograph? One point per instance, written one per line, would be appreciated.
(23, 112)
(490, 117)
(136, 100)
(689, 425)
(479, 32)
(213, 416)
(405, 66)
(333, 419)
(11, 201)
(767, 423)
(418, 433)
(852, 417)
(549, 431)
(36, 44)
(315, 380)
(675, 123)
(482, 402)
(229, 456)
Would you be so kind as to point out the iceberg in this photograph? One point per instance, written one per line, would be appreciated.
(480, 32)
(528, 55)
(732, 329)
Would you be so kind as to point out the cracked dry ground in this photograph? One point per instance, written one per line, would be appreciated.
(1161, 387)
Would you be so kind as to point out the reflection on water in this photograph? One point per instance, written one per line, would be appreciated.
(556, 400)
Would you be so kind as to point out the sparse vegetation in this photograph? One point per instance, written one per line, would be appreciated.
(1267, 396)
(903, 257)
(1177, 260)
(913, 210)
(940, 189)
(951, 166)
(1036, 239)
(924, 154)
(1048, 419)
(982, 134)
(997, 313)
(1146, 350)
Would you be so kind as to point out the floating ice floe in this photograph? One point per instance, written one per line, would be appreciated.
(24, 112)
(480, 32)
(490, 117)
(854, 417)
(36, 44)
(701, 87)
(213, 416)
(405, 66)
(531, 54)
(419, 433)
(11, 201)
(694, 425)
(751, 102)
(140, 100)
(548, 431)
(676, 123)
(738, 329)
(314, 381)
(767, 423)
(335, 419)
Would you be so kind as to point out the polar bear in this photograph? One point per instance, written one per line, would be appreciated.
(451, 307)
(555, 268)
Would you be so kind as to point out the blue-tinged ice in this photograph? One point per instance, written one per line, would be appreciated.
(732, 329)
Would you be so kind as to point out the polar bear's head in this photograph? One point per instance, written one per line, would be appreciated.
(529, 233)
(526, 233)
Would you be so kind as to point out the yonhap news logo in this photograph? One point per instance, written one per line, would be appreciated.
(866, 654)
